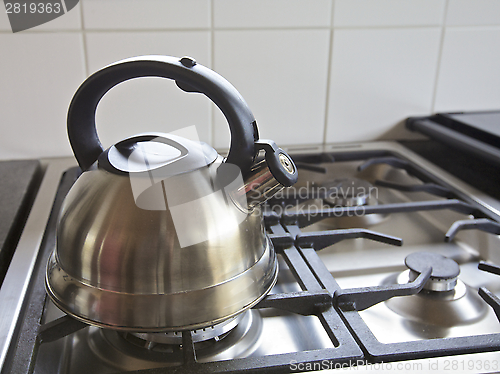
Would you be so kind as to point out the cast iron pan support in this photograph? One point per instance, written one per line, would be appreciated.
(365, 297)
(486, 294)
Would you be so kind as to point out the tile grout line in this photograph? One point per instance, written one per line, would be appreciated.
(84, 41)
(440, 55)
(328, 73)
(211, 119)
(291, 28)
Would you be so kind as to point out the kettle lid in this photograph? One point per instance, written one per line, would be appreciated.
(167, 154)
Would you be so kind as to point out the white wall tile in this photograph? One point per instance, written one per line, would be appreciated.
(382, 68)
(149, 104)
(469, 74)
(4, 19)
(68, 21)
(38, 80)
(145, 14)
(104, 48)
(473, 12)
(281, 75)
(378, 78)
(366, 13)
(271, 13)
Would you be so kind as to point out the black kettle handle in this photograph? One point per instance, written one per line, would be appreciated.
(189, 76)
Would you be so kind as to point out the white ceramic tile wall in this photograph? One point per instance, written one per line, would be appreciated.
(146, 14)
(272, 14)
(378, 77)
(312, 71)
(4, 21)
(38, 79)
(370, 13)
(473, 12)
(284, 83)
(472, 56)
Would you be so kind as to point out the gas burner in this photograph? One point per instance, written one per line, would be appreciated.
(445, 301)
(215, 332)
(135, 351)
(344, 193)
(347, 192)
(444, 274)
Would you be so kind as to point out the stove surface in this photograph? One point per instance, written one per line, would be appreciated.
(344, 294)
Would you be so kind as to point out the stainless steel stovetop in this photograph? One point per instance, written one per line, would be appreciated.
(344, 294)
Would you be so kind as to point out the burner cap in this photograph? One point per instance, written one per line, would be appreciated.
(444, 270)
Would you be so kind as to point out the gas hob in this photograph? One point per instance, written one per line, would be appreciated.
(384, 260)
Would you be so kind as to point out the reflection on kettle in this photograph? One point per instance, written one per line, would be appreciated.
(156, 189)
(160, 232)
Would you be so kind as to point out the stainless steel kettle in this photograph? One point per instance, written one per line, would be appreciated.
(159, 232)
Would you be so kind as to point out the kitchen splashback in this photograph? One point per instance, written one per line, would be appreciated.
(312, 71)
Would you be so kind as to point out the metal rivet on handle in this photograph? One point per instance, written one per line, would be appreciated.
(287, 164)
(188, 62)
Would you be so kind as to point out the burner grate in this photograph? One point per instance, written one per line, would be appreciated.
(313, 301)
(350, 301)
(321, 296)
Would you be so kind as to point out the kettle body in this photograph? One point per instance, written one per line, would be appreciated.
(155, 235)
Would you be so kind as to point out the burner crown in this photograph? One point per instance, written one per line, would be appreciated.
(444, 270)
